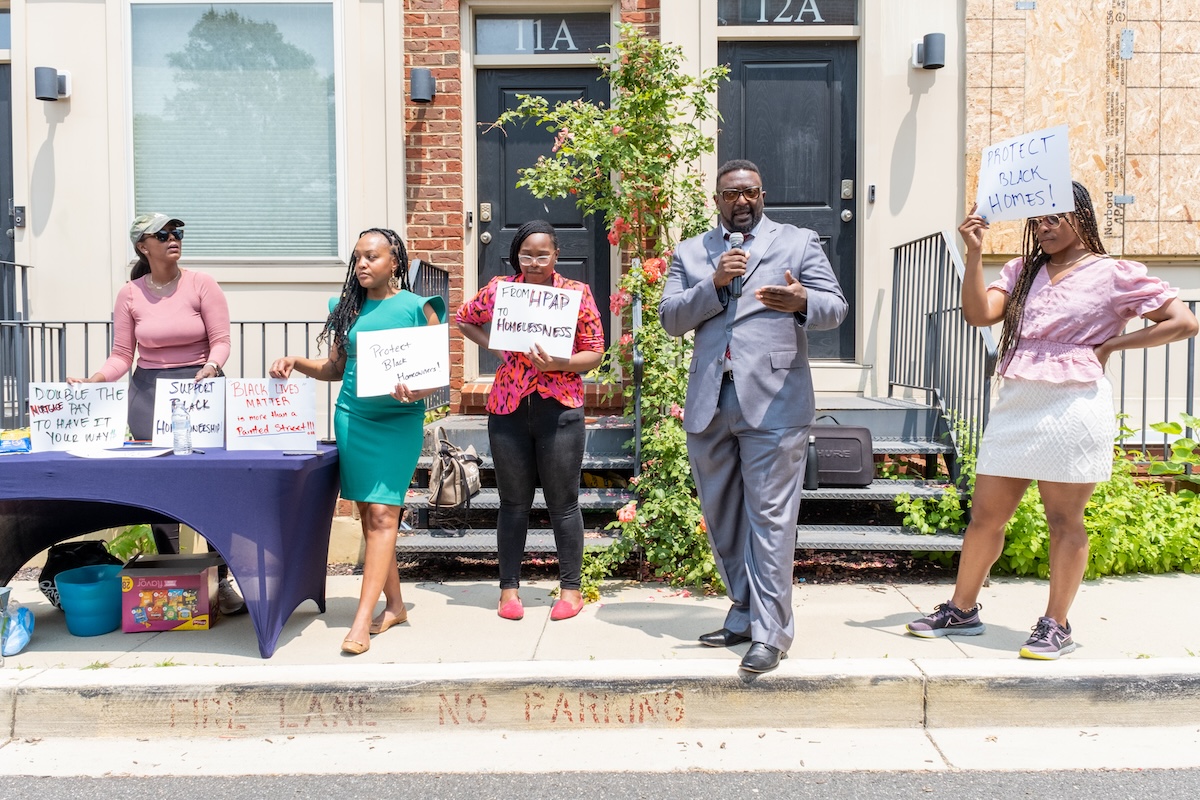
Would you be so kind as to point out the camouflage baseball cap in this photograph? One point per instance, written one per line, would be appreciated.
(153, 222)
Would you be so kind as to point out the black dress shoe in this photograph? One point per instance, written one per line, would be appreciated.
(723, 638)
(762, 658)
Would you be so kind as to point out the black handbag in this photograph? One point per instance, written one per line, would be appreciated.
(845, 456)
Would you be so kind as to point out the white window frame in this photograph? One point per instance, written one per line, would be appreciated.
(340, 137)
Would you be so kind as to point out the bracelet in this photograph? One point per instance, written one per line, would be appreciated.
(216, 368)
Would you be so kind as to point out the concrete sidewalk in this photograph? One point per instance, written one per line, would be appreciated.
(628, 661)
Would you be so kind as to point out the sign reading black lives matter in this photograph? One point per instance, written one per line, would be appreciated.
(526, 314)
(418, 357)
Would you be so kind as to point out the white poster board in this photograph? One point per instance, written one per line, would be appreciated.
(1026, 176)
(270, 414)
(205, 404)
(419, 357)
(525, 313)
(80, 416)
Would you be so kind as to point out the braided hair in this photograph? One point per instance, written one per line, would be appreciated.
(523, 233)
(1088, 231)
(349, 305)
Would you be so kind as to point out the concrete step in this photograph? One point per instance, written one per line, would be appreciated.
(612, 499)
(483, 540)
(808, 537)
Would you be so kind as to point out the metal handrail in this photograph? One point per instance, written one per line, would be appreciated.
(50, 351)
(933, 349)
(639, 369)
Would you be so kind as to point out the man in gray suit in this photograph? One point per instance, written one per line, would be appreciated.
(750, 403)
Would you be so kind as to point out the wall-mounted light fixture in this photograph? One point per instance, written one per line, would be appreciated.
(930, 52)
(50, 84)
(422, 86)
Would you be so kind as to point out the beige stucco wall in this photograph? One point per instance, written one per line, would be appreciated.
(909, 144)
(917, 132)
(72, 161)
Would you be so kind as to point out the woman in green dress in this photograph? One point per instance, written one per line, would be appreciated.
(379, 438)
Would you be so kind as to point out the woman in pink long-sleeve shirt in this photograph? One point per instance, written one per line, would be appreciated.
(176, 321)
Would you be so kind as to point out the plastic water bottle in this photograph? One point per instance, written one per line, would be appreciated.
(812, 470)
(181, 430)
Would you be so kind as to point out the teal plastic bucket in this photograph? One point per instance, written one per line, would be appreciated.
(91, 598)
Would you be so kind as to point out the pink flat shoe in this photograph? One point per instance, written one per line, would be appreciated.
(512, 609)
(565, 610)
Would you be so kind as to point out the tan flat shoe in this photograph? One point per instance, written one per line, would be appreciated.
(355, 648)
(380, 627)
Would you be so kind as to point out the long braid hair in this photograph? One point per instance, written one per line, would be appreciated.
(1088, 231)
(349, 305)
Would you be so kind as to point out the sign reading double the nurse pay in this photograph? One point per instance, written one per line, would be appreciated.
(1026, 176)
(525, 314)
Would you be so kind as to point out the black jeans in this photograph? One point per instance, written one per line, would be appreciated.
(541, 438)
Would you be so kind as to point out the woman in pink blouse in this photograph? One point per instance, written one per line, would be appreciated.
(535, 424)
(1064, 305)
(177, 321)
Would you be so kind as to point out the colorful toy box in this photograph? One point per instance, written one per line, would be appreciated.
(169, 593)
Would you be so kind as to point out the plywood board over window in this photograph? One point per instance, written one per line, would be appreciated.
(1122, 75)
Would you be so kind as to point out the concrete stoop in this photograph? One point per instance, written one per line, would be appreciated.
(251, 701)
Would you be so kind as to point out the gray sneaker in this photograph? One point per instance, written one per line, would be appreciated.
(230, 602)
(946, 620)
(1049, 641)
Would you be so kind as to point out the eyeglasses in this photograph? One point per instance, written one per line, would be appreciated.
(529, 261)
(1052, 220)
(162, 236)
(751, 193)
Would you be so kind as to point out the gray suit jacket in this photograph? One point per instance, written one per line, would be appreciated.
(769, 349)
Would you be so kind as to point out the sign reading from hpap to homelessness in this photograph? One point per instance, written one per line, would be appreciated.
(526, 313)
(79, 416)
(418, 357)
(205, 404)
(1026, 176)
(270, 414)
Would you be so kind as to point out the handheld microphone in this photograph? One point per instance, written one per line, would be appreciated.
(735, 286)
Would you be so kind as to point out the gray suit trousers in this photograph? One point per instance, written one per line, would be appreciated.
(749, 481)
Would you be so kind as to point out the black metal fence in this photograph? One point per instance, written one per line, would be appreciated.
(934, 350)
(41, 351)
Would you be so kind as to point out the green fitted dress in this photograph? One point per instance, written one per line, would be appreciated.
(379, 438)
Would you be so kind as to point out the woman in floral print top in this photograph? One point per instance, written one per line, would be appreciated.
(536, 425)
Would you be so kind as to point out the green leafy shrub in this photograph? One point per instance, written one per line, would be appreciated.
(1134, 523)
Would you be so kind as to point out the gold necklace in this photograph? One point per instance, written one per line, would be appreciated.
(158, 287)
(1071, 262)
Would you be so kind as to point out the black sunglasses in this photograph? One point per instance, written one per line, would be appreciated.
(162, 236)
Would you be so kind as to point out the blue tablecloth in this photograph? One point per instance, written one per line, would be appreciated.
(266, 513)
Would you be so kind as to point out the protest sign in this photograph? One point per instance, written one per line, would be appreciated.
(270, 414)
(525, 313)
(418, 357)
(1026, 176)
(205, 404)
(79, 416)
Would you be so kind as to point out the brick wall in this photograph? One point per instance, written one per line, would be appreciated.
(434, 142)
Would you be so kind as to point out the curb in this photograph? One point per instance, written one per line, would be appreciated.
(240, 702)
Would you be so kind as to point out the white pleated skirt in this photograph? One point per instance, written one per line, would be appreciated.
(1059, 432)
